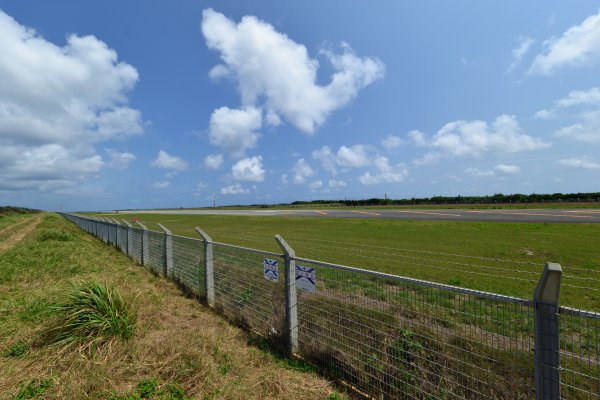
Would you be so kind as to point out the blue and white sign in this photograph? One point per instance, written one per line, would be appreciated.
(305, 278)
(271, 271)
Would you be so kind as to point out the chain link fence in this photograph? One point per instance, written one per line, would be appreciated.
(389, 337)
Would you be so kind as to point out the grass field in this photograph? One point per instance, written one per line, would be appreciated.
(363, 204)
(505, 258)
(179, 348)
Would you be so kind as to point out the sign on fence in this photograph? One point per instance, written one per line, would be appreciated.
(271, 272)
(305, 278)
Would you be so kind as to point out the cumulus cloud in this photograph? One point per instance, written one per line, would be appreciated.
(385, 173)
(56, 103)
(352, 157)
(519, 52)
(302, 171)
(391, 142)
(474, 138)
(166, 161)
(119, 160)
(479, 173)
(276, 73)
(417, 137)
(579, 45)
(249, 169)
(584, 107)
(498, 170)
(213, 161)
(234, 189)
(233, 130)
(314, 185)
(507, 169)
(336, 184)
(326, 158)
(580, 163)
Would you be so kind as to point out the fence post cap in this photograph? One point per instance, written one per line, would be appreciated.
(142, 225)
(284, 246)
(164, 228)
(548, 287)
(204, 235)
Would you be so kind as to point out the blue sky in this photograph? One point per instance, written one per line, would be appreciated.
(165, 104)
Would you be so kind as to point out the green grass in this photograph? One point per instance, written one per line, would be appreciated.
(411, 248)
(93, 315)
(173, 343)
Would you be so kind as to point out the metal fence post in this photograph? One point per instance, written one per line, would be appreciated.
(547, 339)
(168, 250)
(145, 247)
(209, 277)
(129, 245)
(291, 302)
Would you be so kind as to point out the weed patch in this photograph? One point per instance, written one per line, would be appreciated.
(93, 314)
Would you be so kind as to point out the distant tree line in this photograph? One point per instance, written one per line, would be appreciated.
(10, 210)
(493, 199)
(499, 198)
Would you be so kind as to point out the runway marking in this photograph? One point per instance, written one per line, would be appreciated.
(320, 212)
(584, 211)
(364, 212)
(531, 214)
(430, 213)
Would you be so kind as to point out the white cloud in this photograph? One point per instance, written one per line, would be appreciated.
(385, 173)
(119, 160)
(314, 185)
(213, 161)
(336, 184)
(234, 130)
(417, 137)
(234, 189)
(519, 52)
(327, 159)
(302, 171)
(161, 184)
(268, 66)
(500, 169)
(56, 103)
(579, 163)
(586, 130)
(474, 138)
(427, 159)
(352, 157)
(507, 169)
(284, 179)
(584, 107)
(166, 161)
(391, 142)
(249, 169)
(579, 45)
(479, 173)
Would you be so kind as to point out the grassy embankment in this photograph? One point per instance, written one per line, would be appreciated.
(179, 348)
(412, 248)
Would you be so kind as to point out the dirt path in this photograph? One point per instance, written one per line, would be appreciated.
(13, 234)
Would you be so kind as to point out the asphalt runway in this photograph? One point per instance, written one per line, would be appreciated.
(505, 215)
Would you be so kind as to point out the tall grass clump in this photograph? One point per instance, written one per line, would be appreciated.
(94, 314)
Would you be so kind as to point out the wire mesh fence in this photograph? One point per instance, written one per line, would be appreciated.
(188, 265)
(243, 294)
(156, 252)
(579, 354)
(390, 337)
